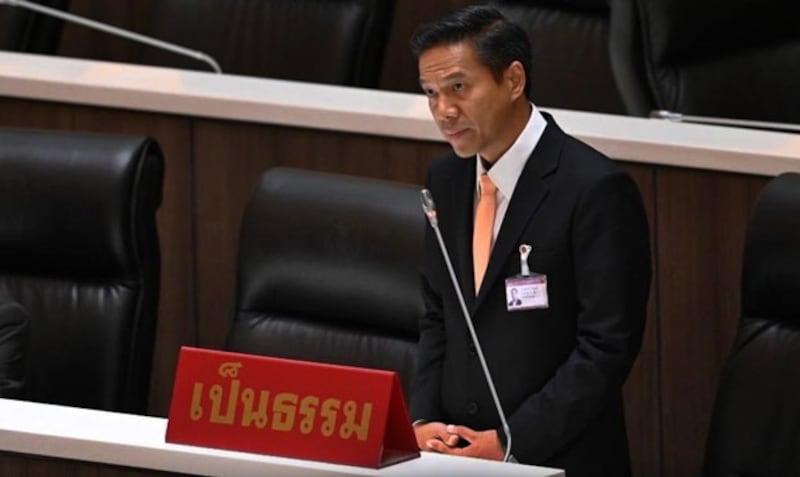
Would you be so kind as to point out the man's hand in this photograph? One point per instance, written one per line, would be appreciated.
(483, 444)
(431, 436)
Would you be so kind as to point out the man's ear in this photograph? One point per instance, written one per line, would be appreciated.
(515, 77)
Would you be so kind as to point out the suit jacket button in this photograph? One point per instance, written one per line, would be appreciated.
(472, 351)
(472, 408)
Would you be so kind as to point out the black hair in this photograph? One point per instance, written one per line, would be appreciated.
(497, 41)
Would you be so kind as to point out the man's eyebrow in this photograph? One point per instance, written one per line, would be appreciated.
(455, 76)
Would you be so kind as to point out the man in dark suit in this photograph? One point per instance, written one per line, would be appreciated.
(558, 365)
(13, 331)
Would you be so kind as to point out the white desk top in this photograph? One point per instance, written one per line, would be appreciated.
(365, 111)
(138, 441)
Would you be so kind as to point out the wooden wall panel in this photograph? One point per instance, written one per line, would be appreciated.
(229, 159)
(701, 222)
(18, 113)
(176, 302)
(642, 389)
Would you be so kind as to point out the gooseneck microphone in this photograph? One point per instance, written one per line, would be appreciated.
(430, 212)
(52, 12)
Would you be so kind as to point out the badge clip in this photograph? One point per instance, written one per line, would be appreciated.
(524, 253)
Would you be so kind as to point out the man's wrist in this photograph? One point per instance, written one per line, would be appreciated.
(503, 438)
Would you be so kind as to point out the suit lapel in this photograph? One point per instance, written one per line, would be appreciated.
(528, 195)
(460, 226)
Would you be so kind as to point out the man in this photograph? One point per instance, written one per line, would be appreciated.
(13, 328)
(560, 360)
(514, 301)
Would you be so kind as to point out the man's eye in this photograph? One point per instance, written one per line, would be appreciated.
(458, 87)
(428, 92)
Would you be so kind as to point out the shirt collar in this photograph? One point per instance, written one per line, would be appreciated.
(506, 171)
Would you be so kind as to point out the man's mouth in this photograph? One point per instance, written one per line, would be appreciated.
(453, 133)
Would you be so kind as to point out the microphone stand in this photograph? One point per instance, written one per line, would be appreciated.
(197, 55)
(430, 212)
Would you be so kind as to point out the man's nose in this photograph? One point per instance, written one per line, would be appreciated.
(445, 110)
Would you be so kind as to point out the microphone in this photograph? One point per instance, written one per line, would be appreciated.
(430, 212)
(52, 12)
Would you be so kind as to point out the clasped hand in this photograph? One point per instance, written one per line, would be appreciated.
(444, 439)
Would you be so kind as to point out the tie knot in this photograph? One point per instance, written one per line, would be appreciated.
(487, 186)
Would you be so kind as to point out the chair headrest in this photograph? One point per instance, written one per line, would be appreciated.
(321, 41)
(332, 248)
(583, 6)
(771, 269)
(683, 31)
(65, 201)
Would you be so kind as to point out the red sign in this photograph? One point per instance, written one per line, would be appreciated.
(300, 409)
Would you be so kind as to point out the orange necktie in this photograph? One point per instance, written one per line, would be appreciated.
(484, 228)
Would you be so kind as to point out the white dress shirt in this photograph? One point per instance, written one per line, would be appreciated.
(506, 171)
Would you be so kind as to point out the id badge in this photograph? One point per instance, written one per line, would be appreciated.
(526, 291)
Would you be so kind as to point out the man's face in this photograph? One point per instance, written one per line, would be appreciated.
(468, 104)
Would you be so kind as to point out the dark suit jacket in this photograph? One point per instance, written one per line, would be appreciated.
(13, 333)
(558, 371)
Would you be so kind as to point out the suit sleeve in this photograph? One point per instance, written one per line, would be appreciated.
(611, 260)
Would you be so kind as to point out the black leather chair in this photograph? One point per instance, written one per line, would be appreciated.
(13, 341)
(328, 271)
(321, 41)
(755, 427)
(571, 67)
(79, 250)
(25, 31)
(735, 59)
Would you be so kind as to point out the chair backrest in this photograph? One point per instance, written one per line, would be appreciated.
(328, 271)
(570, 67)
(322, 41)
(79, 250)
(13, 340)
(755, 428)
(29, 32)
(732, 58)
